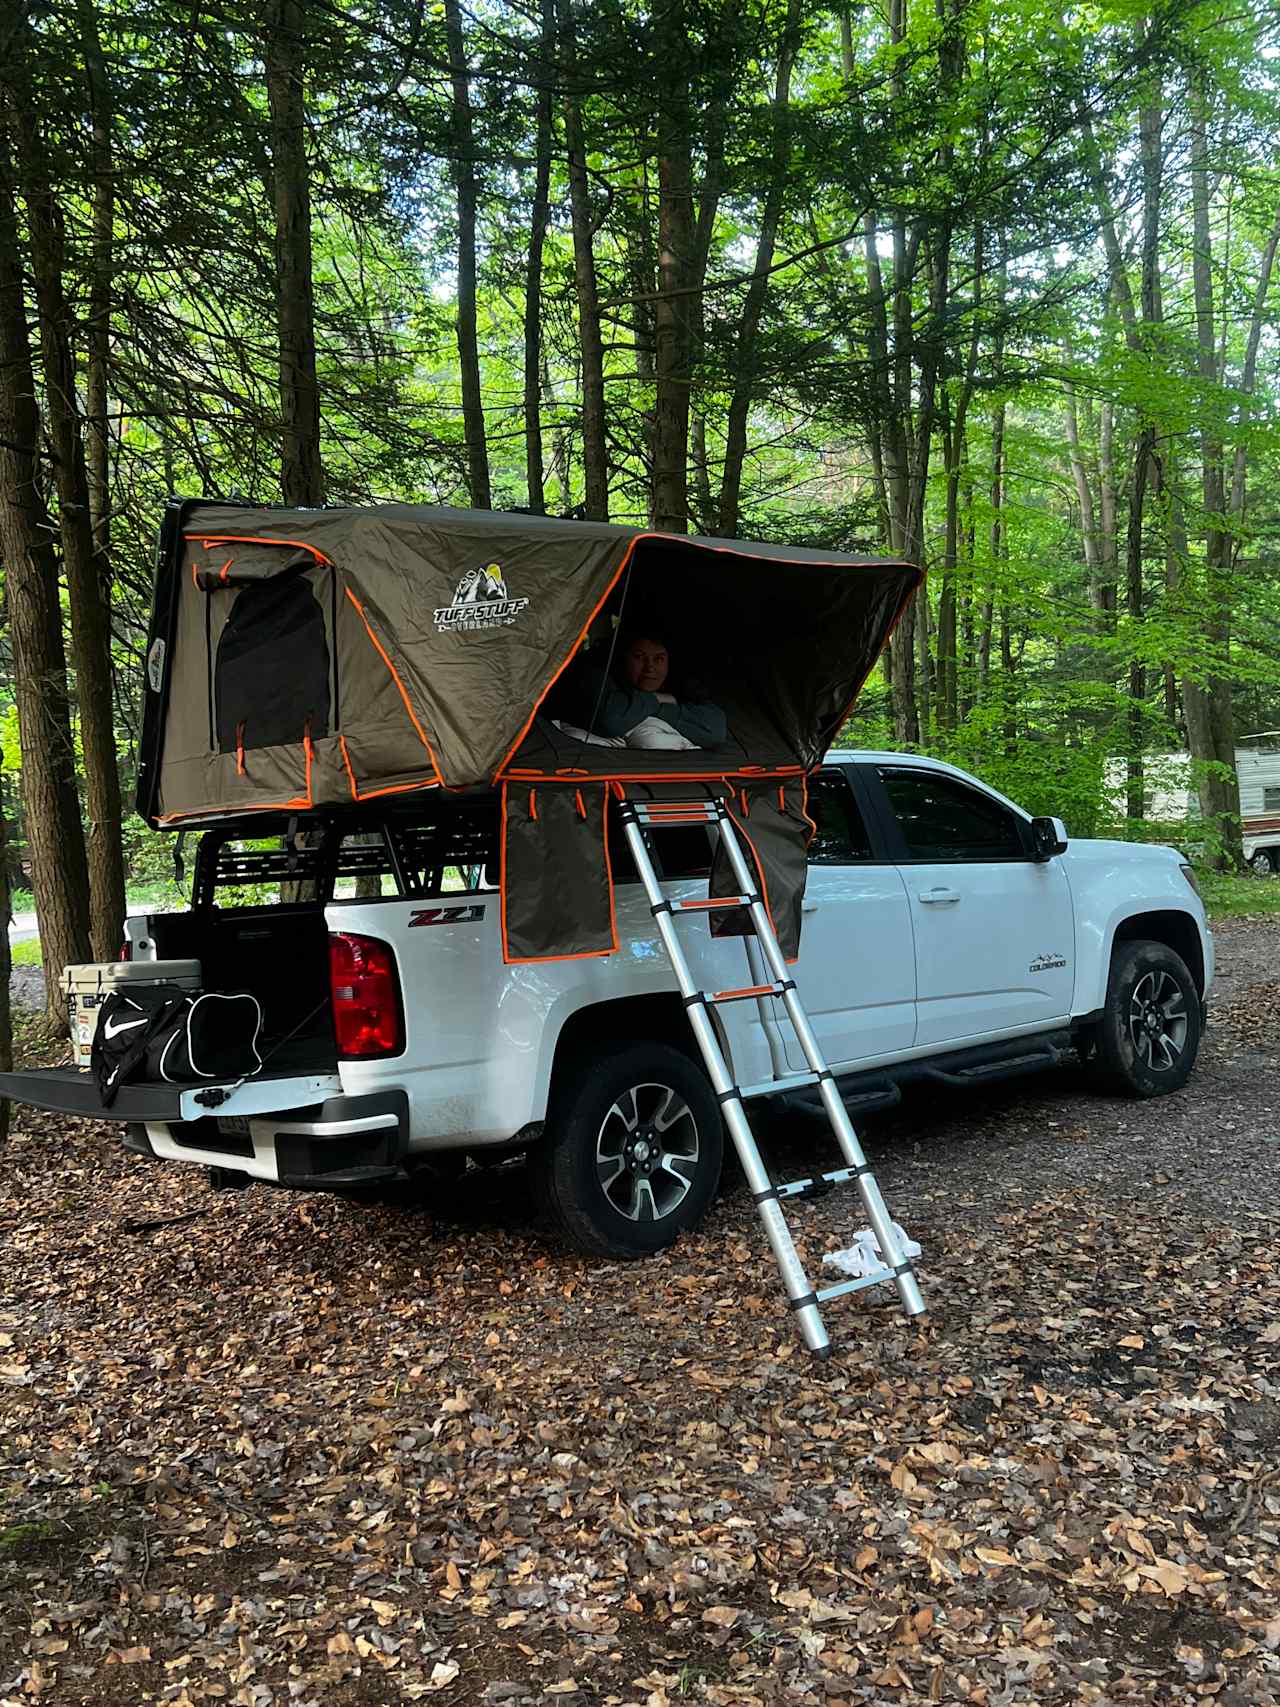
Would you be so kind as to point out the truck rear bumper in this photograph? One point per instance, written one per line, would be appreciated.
(263, 1129)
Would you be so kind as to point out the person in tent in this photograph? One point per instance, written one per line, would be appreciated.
(633, 702)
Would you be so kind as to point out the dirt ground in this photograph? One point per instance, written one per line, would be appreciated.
(295, 1450)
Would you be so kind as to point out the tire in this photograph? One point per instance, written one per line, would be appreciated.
(632, 1151)
(1146, 1042)
(1263, 863)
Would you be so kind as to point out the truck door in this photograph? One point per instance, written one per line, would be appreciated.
(857, 971)
(994, 929)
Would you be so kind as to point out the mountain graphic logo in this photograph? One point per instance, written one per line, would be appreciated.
(478, 585)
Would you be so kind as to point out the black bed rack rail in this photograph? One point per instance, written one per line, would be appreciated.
(418, 854)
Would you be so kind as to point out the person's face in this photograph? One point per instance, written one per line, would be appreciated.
(647, 665)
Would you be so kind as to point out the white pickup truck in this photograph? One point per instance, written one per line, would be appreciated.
(943, 941)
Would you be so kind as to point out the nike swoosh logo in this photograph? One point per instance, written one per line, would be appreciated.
(110, 1029)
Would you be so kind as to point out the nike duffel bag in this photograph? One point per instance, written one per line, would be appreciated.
(168, 1035)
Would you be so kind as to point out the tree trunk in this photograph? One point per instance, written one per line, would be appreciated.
(916, 364)
(301, 470)
(984, 647)
(595, 453)
(301, 467)
(86, 569)
(1207, 702)
(1108, 534)
(947, 662)
(464, 178)
(953, 453)
(997, 546)
(6, 972)
(744, 363)
(1135, 788)
(673, 344)
(704, 506)
(897, 456)
(968, 648)
(98, 368)
(1175, 563)
(59, 874)
(540, 216)
(924, 672)
(1008, 683)
(878, 351)
(1151, 151)
(1084, 497)
(561, 459)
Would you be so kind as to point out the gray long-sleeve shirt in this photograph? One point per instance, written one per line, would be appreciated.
(620, 709)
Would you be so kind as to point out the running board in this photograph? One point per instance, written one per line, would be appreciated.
(1011, 1067)
(869, 1093)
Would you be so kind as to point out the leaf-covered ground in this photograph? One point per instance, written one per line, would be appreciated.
(296, 1450)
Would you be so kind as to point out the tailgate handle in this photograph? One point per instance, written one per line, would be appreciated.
(939, 897)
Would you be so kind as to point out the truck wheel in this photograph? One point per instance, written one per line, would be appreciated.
(1263, 862)
(631, 1155)
(1149, 1034)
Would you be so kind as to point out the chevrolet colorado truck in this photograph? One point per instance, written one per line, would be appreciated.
(943, 941)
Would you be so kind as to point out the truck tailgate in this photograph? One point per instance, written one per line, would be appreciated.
(71, 1090)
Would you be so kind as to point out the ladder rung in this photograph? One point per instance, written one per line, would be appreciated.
(667, 818)
(709, 906)
(775, 1087)
(838, 1291)
(819, 1186)
(750, 990)
(676, 809)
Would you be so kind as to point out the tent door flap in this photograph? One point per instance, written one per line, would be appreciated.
(557, 888)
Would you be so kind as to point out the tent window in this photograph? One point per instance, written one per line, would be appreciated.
(271, 679)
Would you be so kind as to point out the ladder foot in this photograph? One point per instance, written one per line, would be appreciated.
(822, 1352)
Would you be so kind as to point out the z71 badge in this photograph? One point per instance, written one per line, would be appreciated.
(446, 916)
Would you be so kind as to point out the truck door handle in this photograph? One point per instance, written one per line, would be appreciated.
(939, 897)
(808, 906)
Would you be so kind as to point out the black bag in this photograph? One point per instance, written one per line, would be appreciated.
(174, 1037)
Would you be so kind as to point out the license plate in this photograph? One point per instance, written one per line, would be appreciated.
(234, 1125)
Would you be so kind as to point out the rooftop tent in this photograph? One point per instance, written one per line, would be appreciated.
(305, 659)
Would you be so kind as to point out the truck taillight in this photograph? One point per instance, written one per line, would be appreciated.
(367, 1014)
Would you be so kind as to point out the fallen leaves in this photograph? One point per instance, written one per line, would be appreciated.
(279, 1459)
(1171, 1578)
(128, 1656)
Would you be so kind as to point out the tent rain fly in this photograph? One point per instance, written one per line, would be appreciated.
(313, 660)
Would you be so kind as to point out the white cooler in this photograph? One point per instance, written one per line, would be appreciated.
(87, 987)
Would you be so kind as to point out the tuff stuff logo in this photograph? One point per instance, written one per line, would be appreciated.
(481, 601)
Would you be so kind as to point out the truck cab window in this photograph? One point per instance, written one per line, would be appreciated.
(841, 835)
(943, 819)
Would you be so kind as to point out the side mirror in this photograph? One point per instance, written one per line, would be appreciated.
(1048, 837)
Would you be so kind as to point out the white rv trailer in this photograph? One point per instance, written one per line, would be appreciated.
(1171, 800)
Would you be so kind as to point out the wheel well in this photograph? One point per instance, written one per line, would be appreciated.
(660, 1017)
(1175, 930)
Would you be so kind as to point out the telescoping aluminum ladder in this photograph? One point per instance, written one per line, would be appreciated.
(803, 1298)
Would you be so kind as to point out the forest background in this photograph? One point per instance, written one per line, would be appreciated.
(989, 286)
